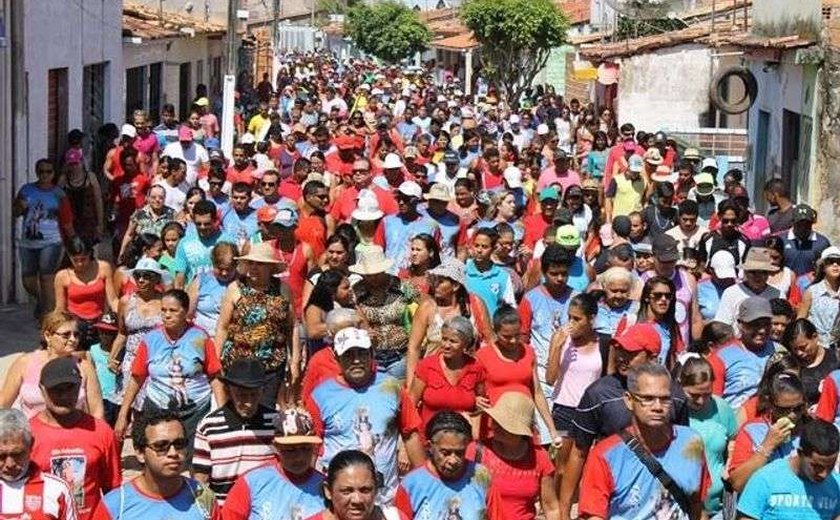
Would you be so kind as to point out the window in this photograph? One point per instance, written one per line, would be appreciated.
(155, 91)
(199, 72)
(216, 76)
(184, 90)
(93, 101)
(57, 104)
(135, 90)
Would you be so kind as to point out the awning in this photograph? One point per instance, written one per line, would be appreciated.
(460, 42)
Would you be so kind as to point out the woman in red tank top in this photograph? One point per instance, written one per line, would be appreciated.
(85, 289)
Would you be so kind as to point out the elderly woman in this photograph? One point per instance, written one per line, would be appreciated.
(150, 218)
(616, 304)
(384, 304)
(451, 379)
(257, 321)
(177, 366)
(59, 338)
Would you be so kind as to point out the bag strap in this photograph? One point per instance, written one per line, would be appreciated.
(657, 470)
(479, 452)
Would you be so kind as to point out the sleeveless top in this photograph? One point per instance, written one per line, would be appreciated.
(136, 326)
(209, 301)
(628, 198)
(30, 398)
(258, 328)
(86, 300)
(580, 369)
(388, 320)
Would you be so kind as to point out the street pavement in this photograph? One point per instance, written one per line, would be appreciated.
(19, 332)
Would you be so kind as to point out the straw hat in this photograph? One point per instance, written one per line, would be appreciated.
(514, 412)
(262, 253)
(373, 261)
(451, 268)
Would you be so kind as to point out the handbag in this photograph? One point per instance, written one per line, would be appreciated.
(657, 470)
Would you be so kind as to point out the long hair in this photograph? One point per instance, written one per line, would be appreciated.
(669, 319)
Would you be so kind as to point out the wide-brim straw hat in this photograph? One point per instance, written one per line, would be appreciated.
(262, 253)
(372, 261)
(514, 413)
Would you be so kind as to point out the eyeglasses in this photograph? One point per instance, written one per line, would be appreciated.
(268, 184)
(786, 410)
(163, 447)
(68, 334)
(832, 261)
(660, 295)
(728, 221)
(145, 275)
(217, 183)
(650, 400)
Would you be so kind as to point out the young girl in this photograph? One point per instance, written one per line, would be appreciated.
(172, 234)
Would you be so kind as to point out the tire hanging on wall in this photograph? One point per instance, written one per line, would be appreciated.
(721, 79)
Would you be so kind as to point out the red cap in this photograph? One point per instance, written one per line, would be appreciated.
(345, 142)
(266, 214)
(185, 133)
(640, 337)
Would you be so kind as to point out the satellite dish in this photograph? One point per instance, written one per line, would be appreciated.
(641, 9)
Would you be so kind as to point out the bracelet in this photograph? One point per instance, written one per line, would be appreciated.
(761, 451)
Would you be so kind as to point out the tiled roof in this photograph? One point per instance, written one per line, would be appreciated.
(578, 11)
(145, 22)
(458, 42)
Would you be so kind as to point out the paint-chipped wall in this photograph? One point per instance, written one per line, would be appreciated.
(786, 17)
(825, 191)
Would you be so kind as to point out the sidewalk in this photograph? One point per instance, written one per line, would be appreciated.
(19, 332)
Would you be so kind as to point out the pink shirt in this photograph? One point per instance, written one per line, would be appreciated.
(147, 144)
(210, 125)
(549, 176)
(755, 227)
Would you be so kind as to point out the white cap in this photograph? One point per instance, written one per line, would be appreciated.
(247, 138)
(723, 264)
(392, 160)
(441, 98)
(514, 119)
(411, 189)
(350, 338)
(364, 86)
(709, 162)
(467, 112)
(513, 177)
(542, 129)
(377, 92)
(830, 252)
(128, 130)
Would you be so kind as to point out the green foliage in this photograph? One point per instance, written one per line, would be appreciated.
(387, 30)
(336, 6)
(636, 28)
(516, 37)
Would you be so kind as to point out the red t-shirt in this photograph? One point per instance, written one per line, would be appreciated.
(535, 226)
(312, 229)
(129, 194)
(41, 497)
(85, 456)
(291, 189)
(322, 366)
(346, 203)
(246, 175)
(334, 164)
(518, 482)
(439, 394)
(502, 375)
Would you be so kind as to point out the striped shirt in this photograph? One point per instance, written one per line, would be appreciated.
(228, 445)
(36, 496)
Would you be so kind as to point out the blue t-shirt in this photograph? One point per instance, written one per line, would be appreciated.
(107, 379)
(266, 493)
(742, 370)
(193, 253)
(717, 426)
(493, 286)
(431, 497)
(40, 220)
(450, 229)
(546, 314)
(240, 227)
(775, 492)
(398, 235)
(192, 502)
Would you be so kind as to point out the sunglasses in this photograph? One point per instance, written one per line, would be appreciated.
(728, 221)
(145, 275)
(163, 447)
(268, 184)
(787, 410)
(217, 183)
(660, 295)
(832, 261)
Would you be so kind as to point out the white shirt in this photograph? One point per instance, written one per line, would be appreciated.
(175, 197)
(732, 297)
(194, 156)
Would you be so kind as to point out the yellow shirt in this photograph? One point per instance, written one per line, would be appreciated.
(255, 125)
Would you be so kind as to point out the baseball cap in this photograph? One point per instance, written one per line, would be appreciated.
(759, 259)
(574, 191)
(411, 189)
(60, 371)
(567, 236)
(514, 119)
(128, 130)
(641, 337)
(451, 157)
(392, 161)
(692, 154)
(202, 102)
(345, 142)
(349, 338)
(643, 246)
(439, 191)
(665, 248)
(108, 322)
(411, 151)
(635, 164)
(286, 217)
(266, 214)
(804, 212)
(247, 138)
(542, 129)
(73, 156)
(754, 308)
(513, 177)
(295, 426)
(549, 193)
(185, 133)
(723, 265)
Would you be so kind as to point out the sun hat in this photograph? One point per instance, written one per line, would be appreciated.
(514, 413)
(439, 191)
(635, 164)
(665, 248)
(590, 184)
(367, 207)
(349, 338)
(664, 173)
(128, 130)
(295, 426)
(692, 154)
(638, 338)
(149, 264)
(245, 372)
(653, 156)
(804, 212)
(830, 252)
(758, 259)
(247, 138)
(709, 162)
(392, 160)
(723, 265)
(372, 261)
(708, 183)
(262, 253)
(60, 371)
(549, 193)
(567, 236)
(451, 268)
(754, 308)
(411, 189)
(513, 177)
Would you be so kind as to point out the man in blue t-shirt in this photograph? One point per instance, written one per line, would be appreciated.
(803, 486)
(192, 256)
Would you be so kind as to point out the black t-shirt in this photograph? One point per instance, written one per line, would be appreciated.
(602, 412)
(812, 376)
(780, 220)
(659, 220)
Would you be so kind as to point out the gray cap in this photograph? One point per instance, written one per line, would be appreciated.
(754, 308)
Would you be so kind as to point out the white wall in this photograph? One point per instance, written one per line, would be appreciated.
(665, 89)
(786, 17)
(68, 34)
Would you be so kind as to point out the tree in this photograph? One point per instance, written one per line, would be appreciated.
(516, 38)
(388, 30)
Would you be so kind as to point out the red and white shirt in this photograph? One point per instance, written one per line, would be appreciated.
(36, 496)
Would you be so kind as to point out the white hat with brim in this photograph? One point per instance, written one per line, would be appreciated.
(150, 265)
(262, 253)
(514, 413)
(372, 261)
(367, 208)
(438, 192)
(451, 268)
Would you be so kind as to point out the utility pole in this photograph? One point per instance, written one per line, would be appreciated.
(229, 86)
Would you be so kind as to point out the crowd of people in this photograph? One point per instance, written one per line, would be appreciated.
(395, 300)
